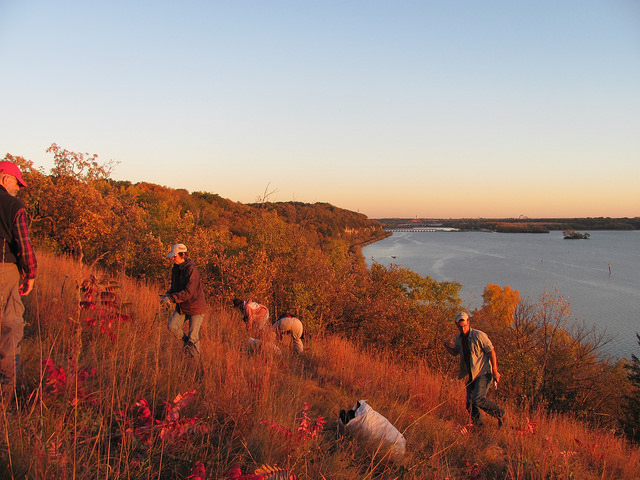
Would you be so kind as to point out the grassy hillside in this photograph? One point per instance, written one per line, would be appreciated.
(118, 399)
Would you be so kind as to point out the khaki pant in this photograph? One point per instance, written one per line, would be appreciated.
(293, 326)
(11, 325)
(176, 321)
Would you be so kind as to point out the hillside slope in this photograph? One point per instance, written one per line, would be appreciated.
(118, 399)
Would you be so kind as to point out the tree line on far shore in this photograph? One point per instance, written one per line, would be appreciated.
(519, 225)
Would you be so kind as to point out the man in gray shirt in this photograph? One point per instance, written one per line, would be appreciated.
(479, 364)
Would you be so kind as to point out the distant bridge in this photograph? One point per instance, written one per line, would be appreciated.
(423, 229)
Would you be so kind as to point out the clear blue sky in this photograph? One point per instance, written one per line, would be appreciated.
(391, 108)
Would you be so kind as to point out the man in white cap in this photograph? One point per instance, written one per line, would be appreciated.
(187, 293)
(17, 273)
(479, 364)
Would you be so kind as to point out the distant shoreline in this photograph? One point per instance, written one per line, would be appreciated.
(510, 225)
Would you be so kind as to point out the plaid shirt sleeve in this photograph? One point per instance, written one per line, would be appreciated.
(26, 255)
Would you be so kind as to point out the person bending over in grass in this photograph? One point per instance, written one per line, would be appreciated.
(479, 364)
(187, 293)
(254, 315)
(288, 324)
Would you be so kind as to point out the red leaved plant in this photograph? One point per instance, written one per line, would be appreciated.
(473, 471)
(171, 428)
(52, 452)
(591, 447)
(462, 429)
(198, 472)
(235, 473)
(55, 380)
(174, 427)
(307, 429)
(530, 429)
(104, 303)
(265, 472)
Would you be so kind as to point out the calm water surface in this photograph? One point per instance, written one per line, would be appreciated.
(533, 264)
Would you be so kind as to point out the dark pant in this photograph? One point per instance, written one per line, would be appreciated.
(477, 399)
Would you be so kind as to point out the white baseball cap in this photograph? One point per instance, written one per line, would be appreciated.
(461, 316)
(177, 248)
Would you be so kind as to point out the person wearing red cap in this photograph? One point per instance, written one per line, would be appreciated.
(479, 364)
(17, 273)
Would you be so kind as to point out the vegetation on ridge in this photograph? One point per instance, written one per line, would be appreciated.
(376, 333)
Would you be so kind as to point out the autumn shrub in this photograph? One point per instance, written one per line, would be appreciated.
(396, 308)
(631, 416)
(297, 258)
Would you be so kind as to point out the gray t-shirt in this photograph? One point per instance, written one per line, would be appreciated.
(479, 347)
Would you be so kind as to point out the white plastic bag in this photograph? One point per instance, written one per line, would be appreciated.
(375, 431)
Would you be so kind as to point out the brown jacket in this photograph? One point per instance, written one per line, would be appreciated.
(186, 289)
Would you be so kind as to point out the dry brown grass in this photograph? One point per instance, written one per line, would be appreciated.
(52, 435)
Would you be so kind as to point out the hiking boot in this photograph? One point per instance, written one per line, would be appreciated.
(190, 349)
(501, 418)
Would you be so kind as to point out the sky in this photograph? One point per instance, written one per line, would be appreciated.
(434, 109)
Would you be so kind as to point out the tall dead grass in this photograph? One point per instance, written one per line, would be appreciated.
(94, 426)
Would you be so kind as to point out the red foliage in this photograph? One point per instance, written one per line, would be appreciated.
(88, 305)
(530, 429)
(474, 472)
(89, 287)
(141, 427)
(197, 472)
(145, 422)
(56, 381)
(592, 447)
(463, 429)
(283, 431)
(172, 427)
(274, 473)
(306, 430)
(109, 308)
(55, 377)
(236, 474)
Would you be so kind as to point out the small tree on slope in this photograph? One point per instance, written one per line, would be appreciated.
(632, 418)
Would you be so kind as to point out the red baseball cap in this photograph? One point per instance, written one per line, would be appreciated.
(12, 169)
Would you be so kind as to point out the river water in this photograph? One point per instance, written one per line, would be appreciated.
(577, 270)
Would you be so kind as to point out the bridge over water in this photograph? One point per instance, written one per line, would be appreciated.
(422, 229)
